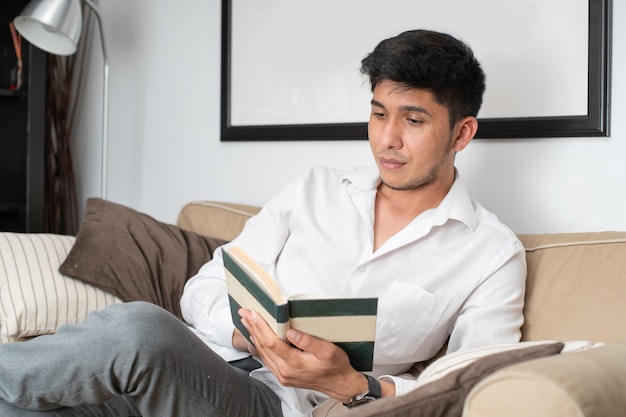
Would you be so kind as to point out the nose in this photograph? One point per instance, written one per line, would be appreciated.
(389, 134)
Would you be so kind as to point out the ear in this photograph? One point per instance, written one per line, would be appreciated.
(464, 130)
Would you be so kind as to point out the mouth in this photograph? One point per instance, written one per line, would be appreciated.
(391, 164)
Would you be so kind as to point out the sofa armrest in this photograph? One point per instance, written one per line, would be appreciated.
(584, 383)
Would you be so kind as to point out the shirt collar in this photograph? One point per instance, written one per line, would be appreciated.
(456, 205)
(362, 179)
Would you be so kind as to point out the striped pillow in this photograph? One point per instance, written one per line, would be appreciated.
(35, 298)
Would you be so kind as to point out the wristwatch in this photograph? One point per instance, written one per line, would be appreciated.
(374, 392)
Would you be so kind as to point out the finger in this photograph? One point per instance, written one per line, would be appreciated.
(312, 347)
(261, 334)
(298, 339)
(274, 352)
(305, 342)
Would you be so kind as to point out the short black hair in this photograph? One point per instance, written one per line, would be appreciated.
(434, 61)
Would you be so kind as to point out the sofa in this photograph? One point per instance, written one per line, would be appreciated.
(575, 298)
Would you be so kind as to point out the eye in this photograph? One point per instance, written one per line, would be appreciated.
(414, 121)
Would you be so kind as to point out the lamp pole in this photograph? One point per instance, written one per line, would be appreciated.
(105, 103)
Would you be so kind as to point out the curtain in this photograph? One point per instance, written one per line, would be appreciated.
(64, 78)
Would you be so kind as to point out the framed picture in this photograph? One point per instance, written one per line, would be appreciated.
(290, 69)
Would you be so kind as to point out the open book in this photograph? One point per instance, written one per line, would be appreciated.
(350, 323)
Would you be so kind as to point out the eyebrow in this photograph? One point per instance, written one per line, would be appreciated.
(406, 108)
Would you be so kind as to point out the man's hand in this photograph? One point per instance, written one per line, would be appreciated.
(310, 363)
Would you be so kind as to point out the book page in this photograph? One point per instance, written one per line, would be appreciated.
(312, 296)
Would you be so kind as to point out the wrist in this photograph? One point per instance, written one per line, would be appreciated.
(388, 387)
(374, 391)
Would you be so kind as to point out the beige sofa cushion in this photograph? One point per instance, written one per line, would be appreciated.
(215, 219)
(444, 396)
(569, 385)
(576, 285)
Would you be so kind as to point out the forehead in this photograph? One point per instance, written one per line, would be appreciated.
(391, 95)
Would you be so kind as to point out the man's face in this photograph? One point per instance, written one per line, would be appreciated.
(410, 137)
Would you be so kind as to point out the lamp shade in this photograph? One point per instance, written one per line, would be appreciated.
(51, 25)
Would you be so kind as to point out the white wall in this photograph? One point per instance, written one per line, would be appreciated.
(164, 147)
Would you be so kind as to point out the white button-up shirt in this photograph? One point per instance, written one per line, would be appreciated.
(454, 272)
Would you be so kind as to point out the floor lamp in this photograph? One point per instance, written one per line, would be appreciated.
(55, 26)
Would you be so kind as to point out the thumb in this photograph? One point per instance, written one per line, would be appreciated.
(300, 340)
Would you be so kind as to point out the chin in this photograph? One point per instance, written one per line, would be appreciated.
(400, 186)
(406, 185)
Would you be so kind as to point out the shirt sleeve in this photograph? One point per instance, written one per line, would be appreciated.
(204, 303)
(493, 313)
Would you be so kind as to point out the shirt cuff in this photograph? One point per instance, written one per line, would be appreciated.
(224, 327)
(403, 385)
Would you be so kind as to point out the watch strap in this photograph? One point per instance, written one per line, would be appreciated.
(373, 386)
(374, 392)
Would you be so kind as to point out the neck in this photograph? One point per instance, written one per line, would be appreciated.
(397, 208)
(414, 201)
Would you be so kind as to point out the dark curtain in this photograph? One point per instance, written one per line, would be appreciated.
(63, 86)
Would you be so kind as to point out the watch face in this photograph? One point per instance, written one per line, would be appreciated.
(366, 396)
(360, 399)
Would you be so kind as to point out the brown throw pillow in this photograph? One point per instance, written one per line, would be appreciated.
(444, 397)
(134, 256)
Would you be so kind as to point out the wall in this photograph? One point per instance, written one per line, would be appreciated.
(164, 147)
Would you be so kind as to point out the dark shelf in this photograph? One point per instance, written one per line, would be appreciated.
(9, 208)
(22, 131)
(5, 92)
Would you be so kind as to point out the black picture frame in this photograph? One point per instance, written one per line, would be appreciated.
(596, 123)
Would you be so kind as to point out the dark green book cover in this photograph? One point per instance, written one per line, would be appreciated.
(350, 323)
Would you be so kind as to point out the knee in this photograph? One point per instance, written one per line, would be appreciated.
(134, 310)
(137, 320)
(143, 327)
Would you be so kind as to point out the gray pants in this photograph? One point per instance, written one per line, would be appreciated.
(132, 359)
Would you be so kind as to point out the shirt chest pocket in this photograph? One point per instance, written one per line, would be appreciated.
(410, 324)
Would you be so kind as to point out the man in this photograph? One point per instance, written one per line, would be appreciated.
(405, 230)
